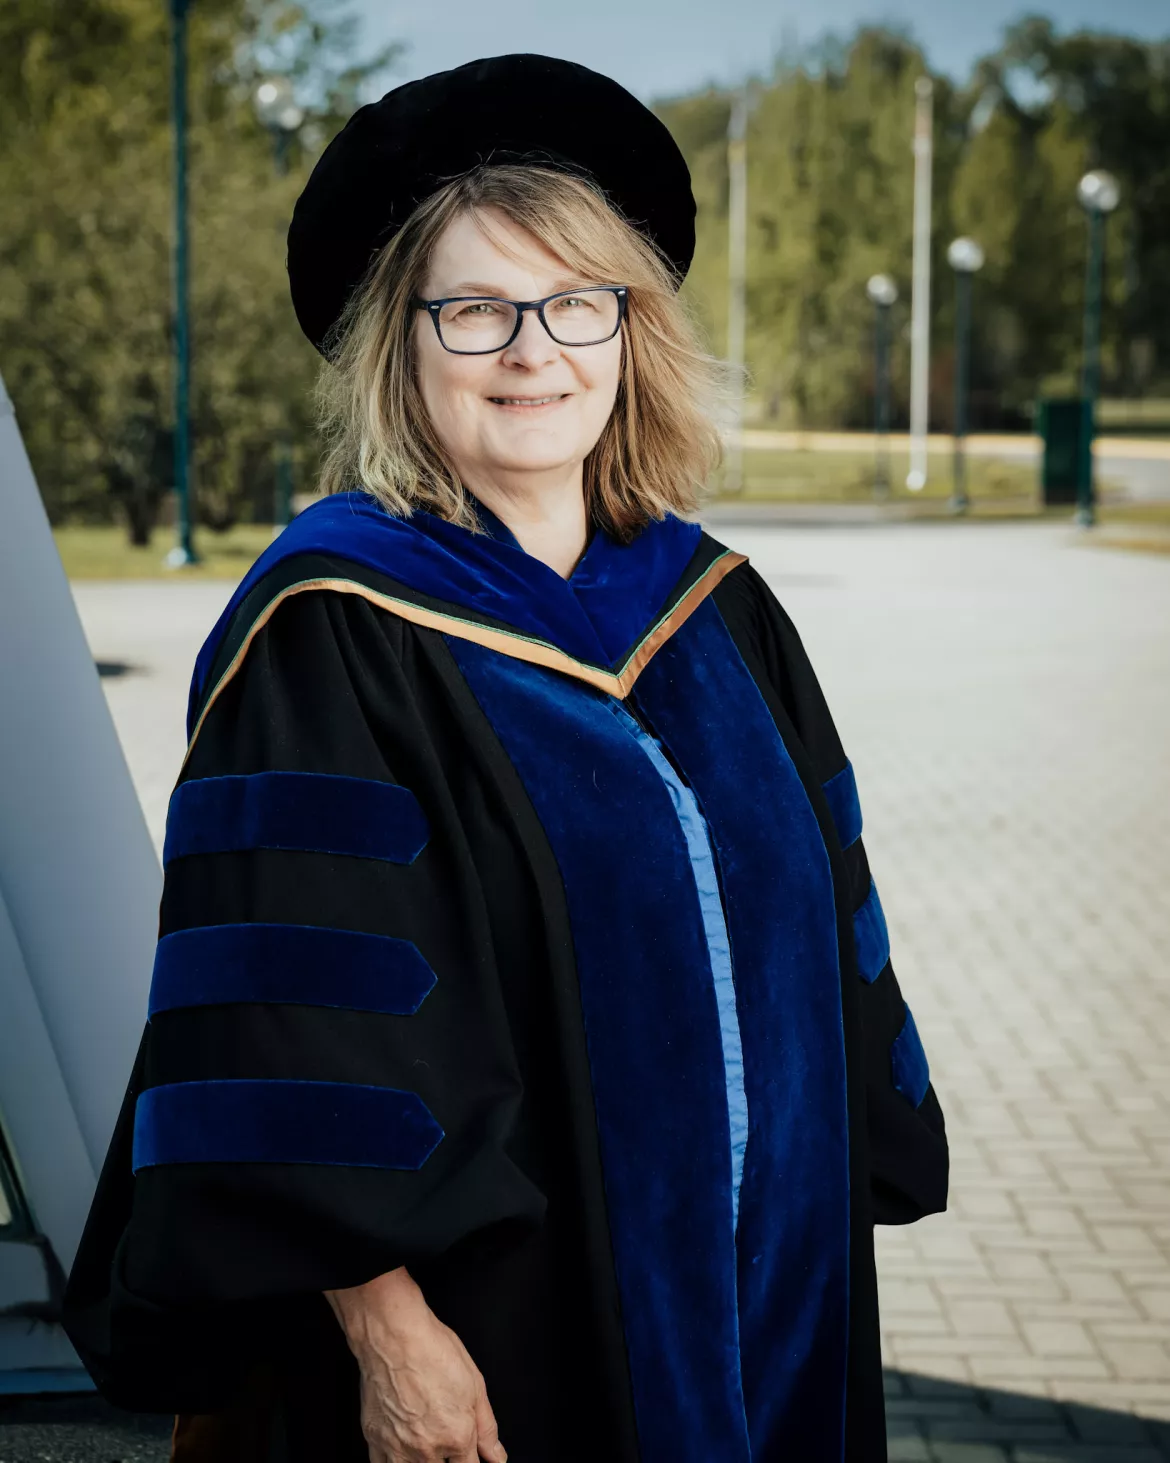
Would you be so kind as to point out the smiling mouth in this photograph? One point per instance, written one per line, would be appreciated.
(528, 400)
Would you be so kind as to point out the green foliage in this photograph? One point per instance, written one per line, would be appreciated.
(85, 246)
(830, 188)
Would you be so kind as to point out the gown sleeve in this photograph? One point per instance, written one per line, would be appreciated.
(326, 1083)
(906, 1131)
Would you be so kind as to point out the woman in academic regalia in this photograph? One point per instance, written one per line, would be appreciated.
(524, 1065)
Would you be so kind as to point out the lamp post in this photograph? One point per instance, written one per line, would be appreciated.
(183, 552)
(276, 109)
(1099, 194)
(883, 292)
(920, 293)
(736, 279)
(966, 258)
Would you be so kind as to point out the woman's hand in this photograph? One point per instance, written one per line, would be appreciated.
(423, 1398)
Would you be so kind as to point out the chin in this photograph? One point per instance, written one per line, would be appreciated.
(535, 455)
(534, 462)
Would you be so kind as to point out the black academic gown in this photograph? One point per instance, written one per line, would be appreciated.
(433, 988)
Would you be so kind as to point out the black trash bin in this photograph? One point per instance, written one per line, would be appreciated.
(1059, 422)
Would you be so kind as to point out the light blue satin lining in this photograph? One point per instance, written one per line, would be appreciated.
(698, 841)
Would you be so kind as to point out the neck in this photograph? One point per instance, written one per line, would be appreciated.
(546, 514)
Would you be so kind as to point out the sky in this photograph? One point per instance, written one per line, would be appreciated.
(661, 48)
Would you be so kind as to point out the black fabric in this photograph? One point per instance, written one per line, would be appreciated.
(908, 1149)
(394, 153)
(197, 1287)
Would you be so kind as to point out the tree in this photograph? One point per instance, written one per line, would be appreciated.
(830, 186)
(1072, 103)
(85, 246)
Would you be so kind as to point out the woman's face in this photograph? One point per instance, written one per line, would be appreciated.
(536, 407)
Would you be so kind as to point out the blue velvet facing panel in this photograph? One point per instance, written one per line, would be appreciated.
(311, 812)
(845, 805)
(735, 1353)
(250, 1121)
(653, 1034)
(908, 1064)
(793, 1239)
(288, 964)
(872, 937)
(702, 857)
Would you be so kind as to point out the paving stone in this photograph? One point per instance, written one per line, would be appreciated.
(982, 1318)
(950, 1452)
(1098, 1425)
(1074, 1453)
(909, 1447)
(1058, 1338)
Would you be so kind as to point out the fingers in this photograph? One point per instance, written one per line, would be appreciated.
(457, 1446)
(490, 1449)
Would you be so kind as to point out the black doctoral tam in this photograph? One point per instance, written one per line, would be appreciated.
(394, 153)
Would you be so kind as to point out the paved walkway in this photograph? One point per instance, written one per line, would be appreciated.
(1004, 693)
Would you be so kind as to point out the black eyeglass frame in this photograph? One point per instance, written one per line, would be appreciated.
(433, 307)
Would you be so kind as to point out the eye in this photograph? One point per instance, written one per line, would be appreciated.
(576, 302)
(480, 308)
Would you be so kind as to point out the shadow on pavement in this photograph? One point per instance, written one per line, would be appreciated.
(934, 1421)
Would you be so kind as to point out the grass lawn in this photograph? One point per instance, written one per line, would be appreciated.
(106, 553)
(848, 477)
(1142, 528)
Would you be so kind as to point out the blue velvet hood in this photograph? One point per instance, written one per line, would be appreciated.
(595, 615)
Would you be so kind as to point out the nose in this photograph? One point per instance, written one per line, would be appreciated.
(533, 347)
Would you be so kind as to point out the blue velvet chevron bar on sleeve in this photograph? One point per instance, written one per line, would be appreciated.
(841, 792)
(872, 937)
(304, 965)
(910, 1070)
(310, 812)
(266, 1121)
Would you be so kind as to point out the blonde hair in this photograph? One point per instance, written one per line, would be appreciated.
(660, 443)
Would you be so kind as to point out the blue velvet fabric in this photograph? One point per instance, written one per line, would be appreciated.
(653, 1034)
(909, 1069)
(845, 805)
(311, 812)
(871, 937)
(261, 1121)
(706, 875)
(303, 965)
(734, 1353)
(781, 910)
(611, 599)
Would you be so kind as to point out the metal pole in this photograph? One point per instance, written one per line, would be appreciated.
(283, 479)
(737, 281)
(959, 499)
(284, 476)
(920, 298)
(183, 552)
(1091, 372)
(881, 404)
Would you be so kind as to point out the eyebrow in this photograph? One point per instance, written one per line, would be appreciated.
(493, 291)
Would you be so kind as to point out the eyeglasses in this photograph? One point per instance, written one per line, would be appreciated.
(478, 325)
